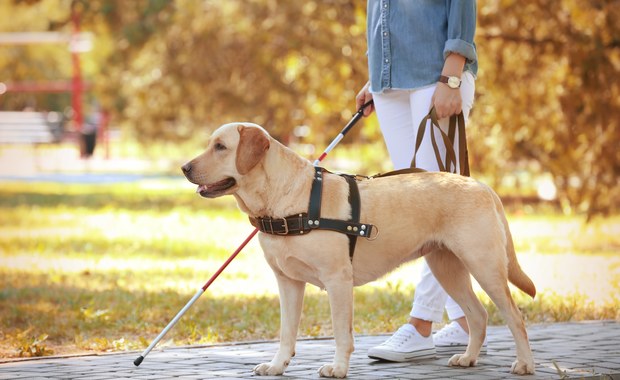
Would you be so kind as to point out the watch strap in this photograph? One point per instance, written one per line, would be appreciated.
(446, 80)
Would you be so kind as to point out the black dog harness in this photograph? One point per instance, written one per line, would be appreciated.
(304, 223)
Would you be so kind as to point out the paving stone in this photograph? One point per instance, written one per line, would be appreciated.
(589, 350)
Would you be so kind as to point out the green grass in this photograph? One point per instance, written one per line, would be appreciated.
(105, 268)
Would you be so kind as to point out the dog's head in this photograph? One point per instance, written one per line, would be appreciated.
(233, 151)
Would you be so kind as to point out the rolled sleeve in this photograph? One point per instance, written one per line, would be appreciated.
(461, 29)
(467, 50)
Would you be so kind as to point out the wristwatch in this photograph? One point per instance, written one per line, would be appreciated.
(452, 82)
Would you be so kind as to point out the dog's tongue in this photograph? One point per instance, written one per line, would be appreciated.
(201, 188)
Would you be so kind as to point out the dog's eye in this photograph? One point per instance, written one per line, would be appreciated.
(220, 146)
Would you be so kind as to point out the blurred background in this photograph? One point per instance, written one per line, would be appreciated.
(101, 102)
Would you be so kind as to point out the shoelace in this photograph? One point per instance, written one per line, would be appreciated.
(446, 331)
(398, 338)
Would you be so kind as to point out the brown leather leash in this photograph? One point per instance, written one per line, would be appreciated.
(456, 123)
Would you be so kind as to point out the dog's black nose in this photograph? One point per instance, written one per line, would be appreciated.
(187, 168)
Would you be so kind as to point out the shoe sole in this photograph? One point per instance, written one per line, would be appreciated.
(403, 356)
(456, 349)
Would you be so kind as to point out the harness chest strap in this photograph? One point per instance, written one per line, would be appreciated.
(301, 224)
(304, 223)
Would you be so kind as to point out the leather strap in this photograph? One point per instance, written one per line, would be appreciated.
(316, 194)
(398, 172)
(456, 122)
(354, 201)
(291, 225)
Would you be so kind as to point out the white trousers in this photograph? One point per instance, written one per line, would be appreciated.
(400, 113)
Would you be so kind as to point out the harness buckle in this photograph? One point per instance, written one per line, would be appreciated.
(265, 229)
(285, 228)
(371, 238)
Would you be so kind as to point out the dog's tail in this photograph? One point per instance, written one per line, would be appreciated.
(515, 273)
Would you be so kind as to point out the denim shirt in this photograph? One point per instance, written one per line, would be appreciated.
(409, 40)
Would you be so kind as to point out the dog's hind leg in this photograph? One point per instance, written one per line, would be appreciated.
(498, 291)
(291, 303)
(486, 260)
(454, 278)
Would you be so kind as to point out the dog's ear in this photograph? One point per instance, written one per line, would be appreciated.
(252, 147)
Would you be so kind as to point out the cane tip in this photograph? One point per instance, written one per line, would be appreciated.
(138, 361)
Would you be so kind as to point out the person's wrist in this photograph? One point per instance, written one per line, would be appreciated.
(452, 81)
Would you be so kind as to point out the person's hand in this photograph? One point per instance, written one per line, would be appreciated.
(447, 101)
(363, 97)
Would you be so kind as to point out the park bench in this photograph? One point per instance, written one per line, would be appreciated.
(30, 127)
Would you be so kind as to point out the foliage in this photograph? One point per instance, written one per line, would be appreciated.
(557, 62)
(548, 93)
(105, 268)
(279, 64)
(29, 346)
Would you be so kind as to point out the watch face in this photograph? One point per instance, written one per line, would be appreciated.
(454, 82)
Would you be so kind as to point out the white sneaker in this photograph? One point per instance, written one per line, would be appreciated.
(452, 338)
(406, 344)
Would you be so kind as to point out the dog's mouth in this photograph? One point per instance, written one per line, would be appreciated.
(216, 189)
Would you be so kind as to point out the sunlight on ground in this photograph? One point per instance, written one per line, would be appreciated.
(597, 277)
(196, 243)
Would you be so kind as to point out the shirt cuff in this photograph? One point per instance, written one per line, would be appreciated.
(460, 47)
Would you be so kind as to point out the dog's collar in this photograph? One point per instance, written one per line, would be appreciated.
(304, 223)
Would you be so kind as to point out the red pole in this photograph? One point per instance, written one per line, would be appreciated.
(76, 99)
(104, 133)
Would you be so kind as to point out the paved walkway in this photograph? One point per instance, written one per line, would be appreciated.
(580, 350)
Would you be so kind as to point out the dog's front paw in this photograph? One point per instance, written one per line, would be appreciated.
(268, 369)
(462, 360)
(333, 370)
(519, 367)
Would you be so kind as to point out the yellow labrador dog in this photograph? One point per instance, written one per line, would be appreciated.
(455, 222)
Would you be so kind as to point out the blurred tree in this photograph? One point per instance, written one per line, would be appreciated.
(279, 64)
(550, 94)
(548, 89)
